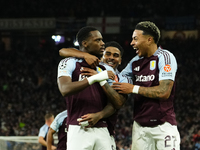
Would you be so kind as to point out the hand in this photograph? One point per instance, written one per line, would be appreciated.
(92, 60)
(92, 119)
(124, 88)
(53, 147)
(111, 75)
(87, 71)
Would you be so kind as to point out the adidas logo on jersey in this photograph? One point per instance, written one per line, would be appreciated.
(137, 68)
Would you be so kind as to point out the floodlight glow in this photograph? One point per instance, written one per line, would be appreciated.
(56, 38)
(76, 43)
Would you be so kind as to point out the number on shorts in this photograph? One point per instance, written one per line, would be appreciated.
(168, 139)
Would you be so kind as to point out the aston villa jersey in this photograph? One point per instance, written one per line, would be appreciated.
(147, 72)
(90, 100)
(59, 125)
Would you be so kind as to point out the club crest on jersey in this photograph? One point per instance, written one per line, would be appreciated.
(152, 65)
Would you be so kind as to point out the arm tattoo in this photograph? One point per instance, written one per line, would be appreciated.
(114, 97)
(163, 90)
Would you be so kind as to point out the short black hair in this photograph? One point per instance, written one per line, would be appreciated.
(149, 28)
(84, 33)
(115, 44)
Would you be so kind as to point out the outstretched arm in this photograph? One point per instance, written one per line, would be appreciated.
(162, 91)
(92, 60)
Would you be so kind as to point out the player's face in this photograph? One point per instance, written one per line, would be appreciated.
(140, 43)
(95, 44)
(112, 57)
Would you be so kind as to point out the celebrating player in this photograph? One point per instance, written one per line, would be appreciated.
(153, 72)
(112, 56)
(84, 96)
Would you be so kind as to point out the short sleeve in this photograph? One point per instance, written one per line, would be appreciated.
(43, 130)
(124, 79)
(167, 67)
(127, 71)
(54, 125)
(66, 67)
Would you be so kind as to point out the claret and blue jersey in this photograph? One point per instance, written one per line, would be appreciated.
(148, 72)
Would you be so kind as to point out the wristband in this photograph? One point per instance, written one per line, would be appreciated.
(103, 82)
(135, 89)
(98, 77)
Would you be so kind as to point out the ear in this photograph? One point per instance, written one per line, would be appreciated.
(84, 43)
(150, 39)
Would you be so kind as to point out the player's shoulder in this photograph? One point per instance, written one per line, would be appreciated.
(44, 127)
(136, 58)
(105, 66)
(68, 61)
(165, 55)
(71, 59)
(61, 115)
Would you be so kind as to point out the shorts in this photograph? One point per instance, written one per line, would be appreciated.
(93, 138)
(113, 144)
(161, 137)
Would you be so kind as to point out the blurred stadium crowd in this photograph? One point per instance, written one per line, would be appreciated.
(90, 8)
(29, 90)
(29, 73)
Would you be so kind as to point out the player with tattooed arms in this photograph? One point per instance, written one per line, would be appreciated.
(153, 72)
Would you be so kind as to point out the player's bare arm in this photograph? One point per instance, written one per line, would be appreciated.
(50, 139)
(42, 141)
(67, 87)
(93, 118)
(162, 91)
(92, 60)
(114, 97)
(117, 99)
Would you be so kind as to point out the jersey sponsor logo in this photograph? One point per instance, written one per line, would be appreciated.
(81, 77)
(167, 68)
(142, 78)
(167, 74)
(152, 65)
(137, 68)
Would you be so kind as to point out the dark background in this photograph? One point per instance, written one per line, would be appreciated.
(29, 59)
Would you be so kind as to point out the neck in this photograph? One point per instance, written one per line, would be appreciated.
(152, 50)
